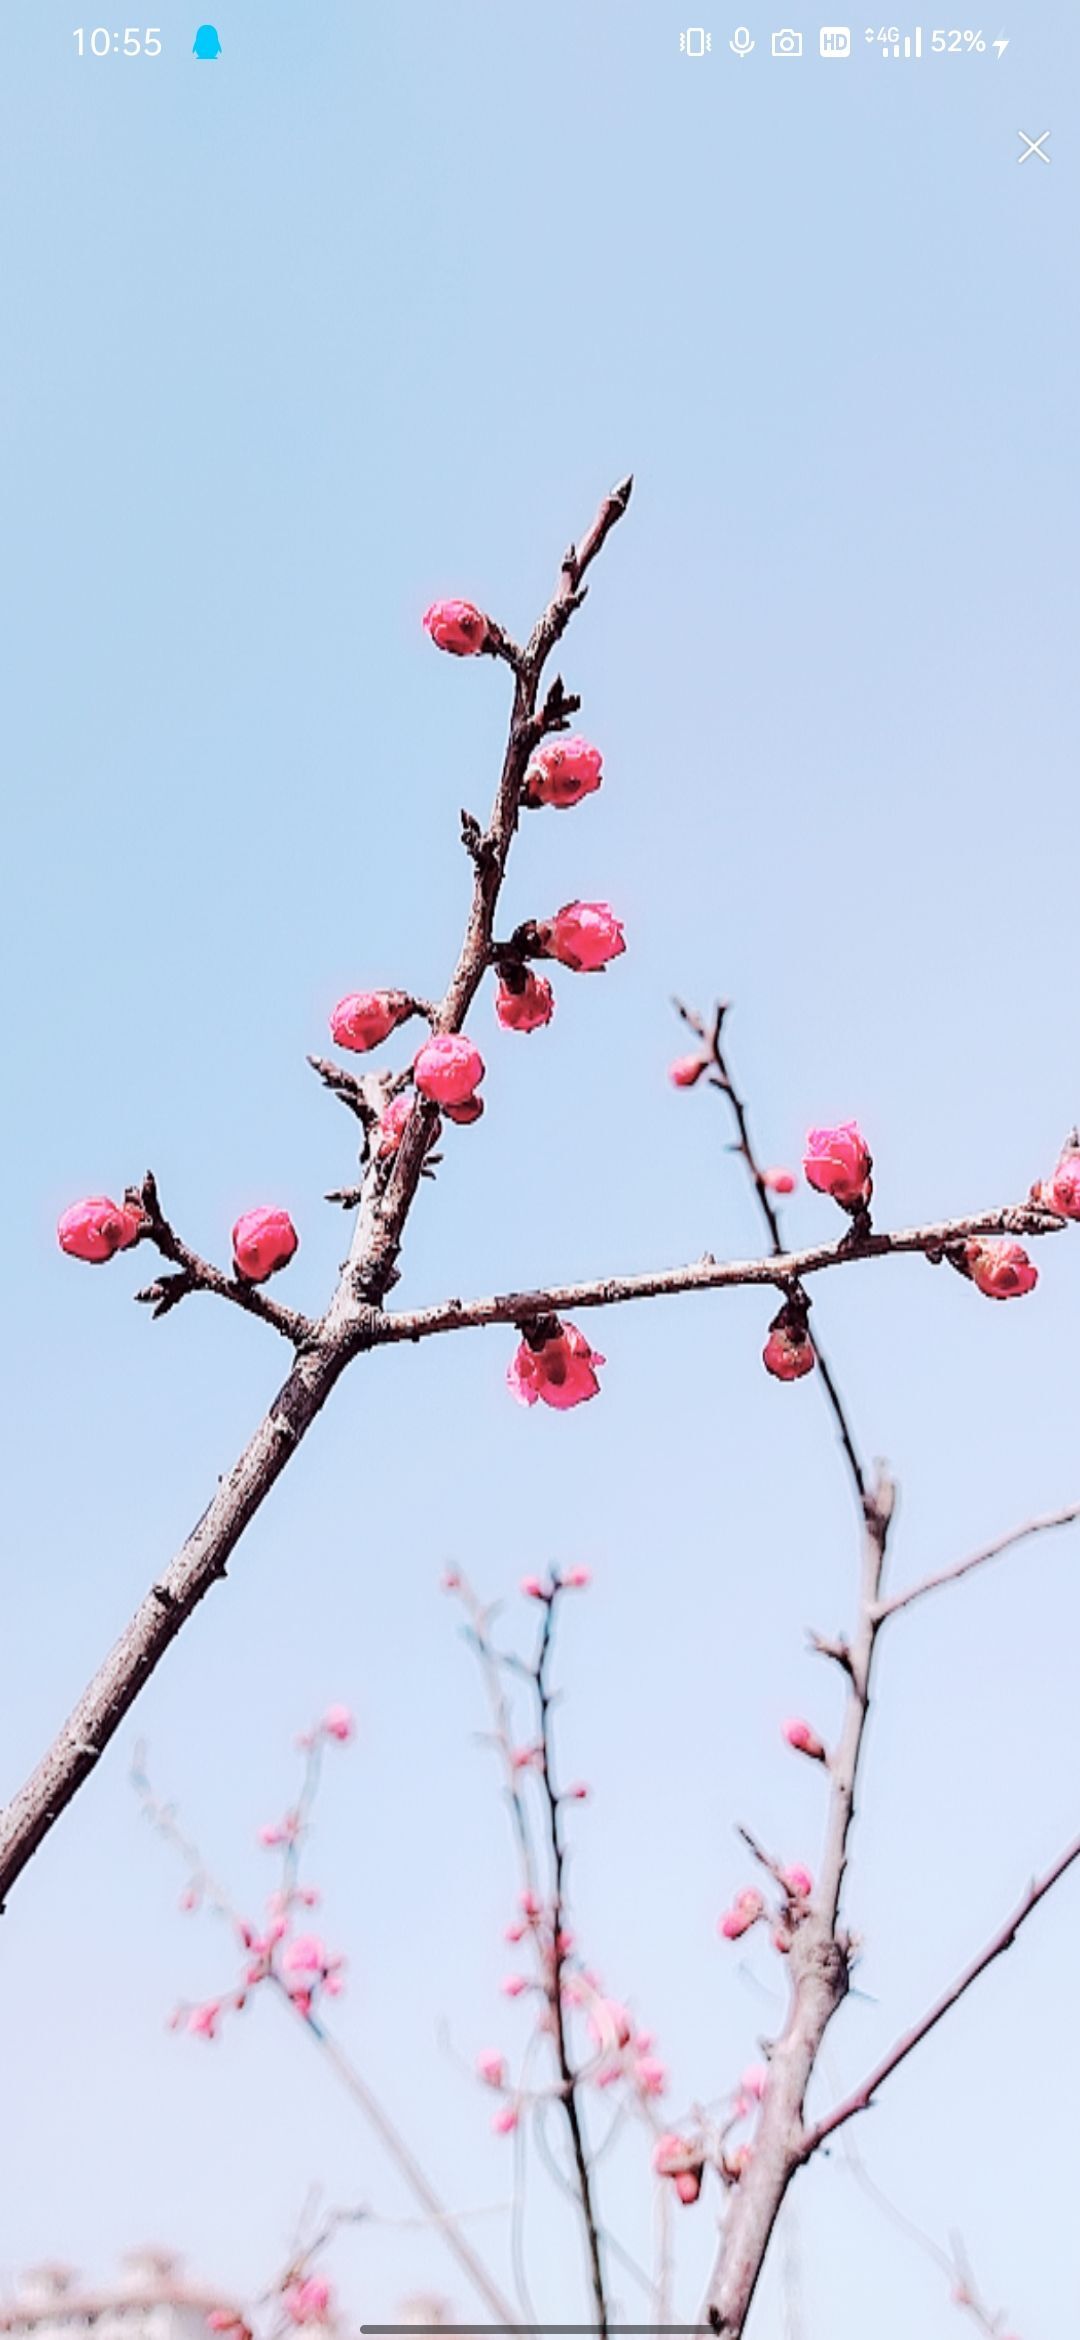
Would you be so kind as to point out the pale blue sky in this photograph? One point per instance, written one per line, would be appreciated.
(364, 312)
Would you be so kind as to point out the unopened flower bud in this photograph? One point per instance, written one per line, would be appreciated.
(999, 1268)
(96, 1228)
(801, 1735)
(524, 1002)
(263, 1241)
(838, 1162)
(582, 935)
(364, 1019)
(457, 626)
(562, 771)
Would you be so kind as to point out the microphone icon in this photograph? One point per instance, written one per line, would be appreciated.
(742, 43)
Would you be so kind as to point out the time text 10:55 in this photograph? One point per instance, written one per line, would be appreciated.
(131, 42)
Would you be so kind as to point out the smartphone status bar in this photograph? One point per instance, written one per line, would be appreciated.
(836, 42)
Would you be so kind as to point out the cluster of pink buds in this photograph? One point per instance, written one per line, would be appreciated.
(491, 2069)
(676, 2158)
(557, 1366)
(539, 1588)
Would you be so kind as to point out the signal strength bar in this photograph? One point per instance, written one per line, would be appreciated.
(910, 46)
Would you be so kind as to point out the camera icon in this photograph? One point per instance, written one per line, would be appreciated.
(787, 43)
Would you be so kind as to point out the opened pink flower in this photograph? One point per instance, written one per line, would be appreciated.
(364, 1019)
(999, 1268)
(562, 771)
(561, 1371)
(95, 1228)
(263, 1241)
(448, 1069)
(838, 1162)
(582, 935)
(457, 626)
(524, 1002)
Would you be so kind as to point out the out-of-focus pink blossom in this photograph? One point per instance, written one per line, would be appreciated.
(505, 2120)
(364, 1019)
(778, 1180)
(308, 2301)
(203, 2021)
(802, 1736)
(799, 1882)
(576, 1579)
(512, 1985)
(650, 2075)
(263, 1241)
(524, 1002)
(491, 2067)
(838, 1162)
(525, 1758)
(582, 935)
(737, 2161)
(561, 1371)
(534, 1590)
(675, 2158)
(610, 2024)
(753, 2083)
(1061, 1191)
(338, 1724)
(457, 626)
(747, 1907)
(531, 1903)
(999, 1268)
(578, 1794)
(447, 1069)
(686, 1070)
(562, 771)
(96, 1228)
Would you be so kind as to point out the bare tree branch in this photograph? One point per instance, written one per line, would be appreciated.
(711, 1037)
(197, 1275)
(929, 1584)
(862, 2097)
(348, 1325)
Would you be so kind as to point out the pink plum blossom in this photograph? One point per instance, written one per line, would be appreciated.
(576, 1579)
(561, 1370)
(1061, 1191)
(582, 935)
(96, 1228)
(524, 1001)
(448, 1069)
(457, 626)
(512, 1985)
(505, 2120)
(308, 2301)
(562, 771)
(364, 1019)
(838, 1162)
(263, 1241)
(798, 1882)
(1000, 1269)
(491, 2068)
(789, 1351)
(801, 1735)
(747, 1907)
(686, 1070)
(393, 1122)
(779, 1180)
(203, 2021)
(337, 1723)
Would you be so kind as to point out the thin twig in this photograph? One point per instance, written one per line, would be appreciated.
(707, 1275)
(862, 2097)
(711, 1037)
(194, 1274)
(929, 1584)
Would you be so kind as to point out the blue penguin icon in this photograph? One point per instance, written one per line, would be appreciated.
(206, 42)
